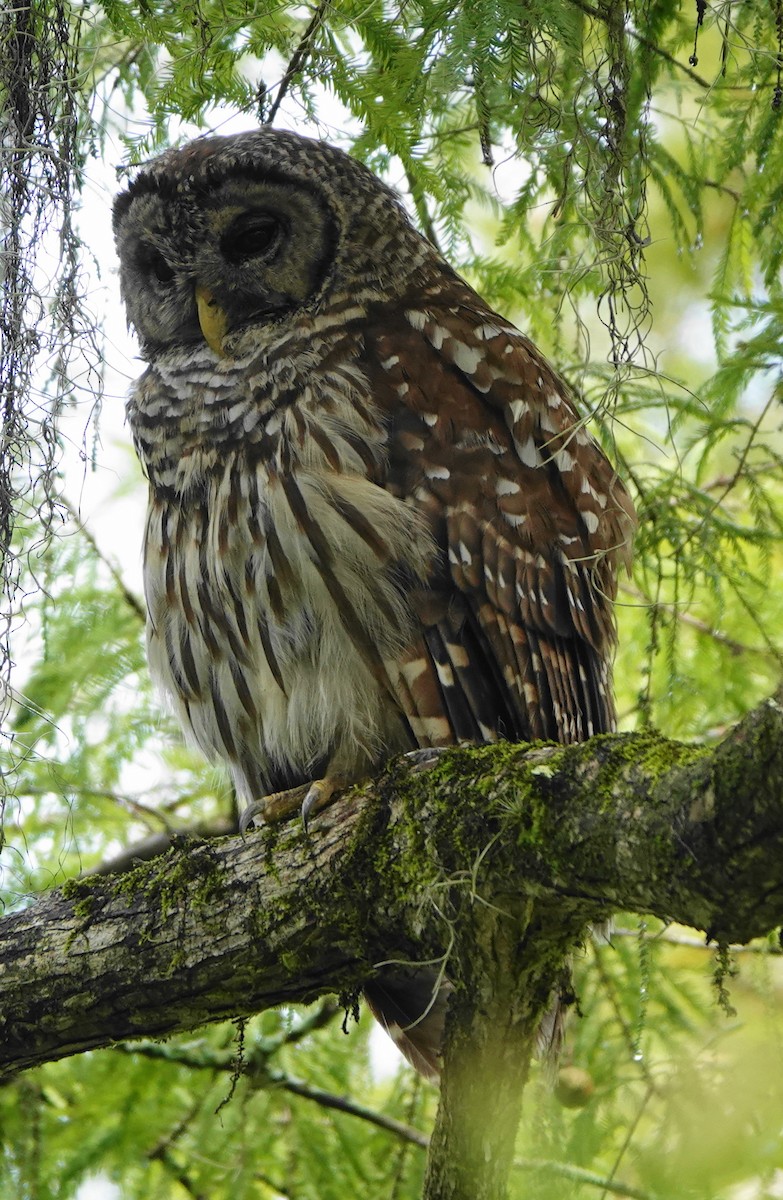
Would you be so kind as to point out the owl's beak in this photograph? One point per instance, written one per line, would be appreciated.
(212, 319)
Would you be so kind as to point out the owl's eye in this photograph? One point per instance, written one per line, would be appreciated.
(155, 264)
(253, 235)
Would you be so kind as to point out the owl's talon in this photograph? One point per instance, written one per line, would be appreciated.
(308, 804)
(319, 795)
(248, 816)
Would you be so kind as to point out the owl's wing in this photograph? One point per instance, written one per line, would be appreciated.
(530, 519)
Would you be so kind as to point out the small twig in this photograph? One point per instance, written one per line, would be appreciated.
(218, 1060)
(178, 1173)
(737, 475)
(119, 798)
(161, 1152)
(647, 43)
(696, 623)
(580, 1175)
(483, 113)
(298, 59)
(609, 1184)
(722, 482)
(127, 594)
(684, 939)
(721, 187)
(341, 1104)
(316, 1018)
(127, 60)
(164, 1144)
(261, 1077)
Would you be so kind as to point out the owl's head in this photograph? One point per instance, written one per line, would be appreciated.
(229, 233)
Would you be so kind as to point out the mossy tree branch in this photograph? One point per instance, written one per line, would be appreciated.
(493, 861)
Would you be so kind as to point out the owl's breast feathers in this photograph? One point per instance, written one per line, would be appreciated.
(388, 529)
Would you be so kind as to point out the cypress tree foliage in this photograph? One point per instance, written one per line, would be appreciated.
(607, 174)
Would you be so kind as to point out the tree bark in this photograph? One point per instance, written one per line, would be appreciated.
(494, 860)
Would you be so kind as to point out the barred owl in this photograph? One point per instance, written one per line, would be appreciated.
(376, 521)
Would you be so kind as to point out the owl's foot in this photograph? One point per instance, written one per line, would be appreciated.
(308, 799)
(272, 809)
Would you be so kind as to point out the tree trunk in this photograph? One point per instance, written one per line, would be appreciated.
(511, 970)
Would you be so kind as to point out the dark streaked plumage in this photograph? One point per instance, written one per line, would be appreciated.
(376, 521)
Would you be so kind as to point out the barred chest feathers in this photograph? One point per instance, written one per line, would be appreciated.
(274, 566)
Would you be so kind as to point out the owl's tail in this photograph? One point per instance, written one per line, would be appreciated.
(411, 1004)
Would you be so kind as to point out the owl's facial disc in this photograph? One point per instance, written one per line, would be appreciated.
(210, 261)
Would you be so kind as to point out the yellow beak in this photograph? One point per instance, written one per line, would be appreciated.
(212, 319)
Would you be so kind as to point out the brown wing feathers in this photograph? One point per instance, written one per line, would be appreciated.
(529, 517)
